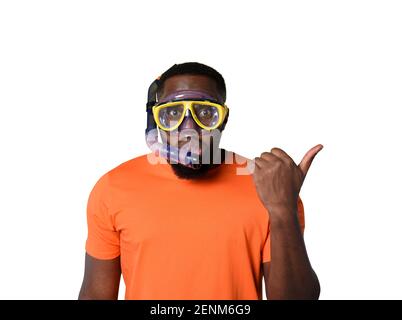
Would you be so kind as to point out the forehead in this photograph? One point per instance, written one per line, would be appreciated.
(190, 82)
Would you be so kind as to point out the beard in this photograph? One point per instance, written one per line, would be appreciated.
(200, 172)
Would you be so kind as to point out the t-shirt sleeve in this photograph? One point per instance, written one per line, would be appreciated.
(103, 241)
(266, 252)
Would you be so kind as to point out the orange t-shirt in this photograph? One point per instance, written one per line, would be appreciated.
(181, 239)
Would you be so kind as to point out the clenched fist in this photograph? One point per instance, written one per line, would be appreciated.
(278, 179)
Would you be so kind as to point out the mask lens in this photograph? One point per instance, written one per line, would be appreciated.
(171, 115)
(208, 115)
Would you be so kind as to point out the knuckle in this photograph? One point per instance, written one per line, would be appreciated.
(277, 164)
(266, 155)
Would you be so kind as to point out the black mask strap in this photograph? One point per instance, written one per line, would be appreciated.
(152, 100)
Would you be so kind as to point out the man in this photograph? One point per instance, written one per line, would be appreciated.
(180, 230)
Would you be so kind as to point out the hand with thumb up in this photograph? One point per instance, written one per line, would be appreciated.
(278, 179)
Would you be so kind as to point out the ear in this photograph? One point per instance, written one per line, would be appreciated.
(224, 121)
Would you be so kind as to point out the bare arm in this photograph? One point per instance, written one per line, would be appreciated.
(101, 279)
(289, 275)
(278, 181)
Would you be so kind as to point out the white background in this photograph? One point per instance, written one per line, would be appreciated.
(73, 83)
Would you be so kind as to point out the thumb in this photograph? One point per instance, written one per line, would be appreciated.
(308, 158)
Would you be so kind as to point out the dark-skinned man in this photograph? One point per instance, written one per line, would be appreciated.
(180, 229)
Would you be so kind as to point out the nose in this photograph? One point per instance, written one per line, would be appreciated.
(188, 122)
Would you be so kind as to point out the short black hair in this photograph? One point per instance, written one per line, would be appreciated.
(194, 68)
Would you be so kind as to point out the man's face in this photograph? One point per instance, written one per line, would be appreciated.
(189, 131)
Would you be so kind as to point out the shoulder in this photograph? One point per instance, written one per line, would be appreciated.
(129, 164)
(241, 165)
(128, 168)
(125, 172)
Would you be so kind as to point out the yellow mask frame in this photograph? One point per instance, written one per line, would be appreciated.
(222, 110)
